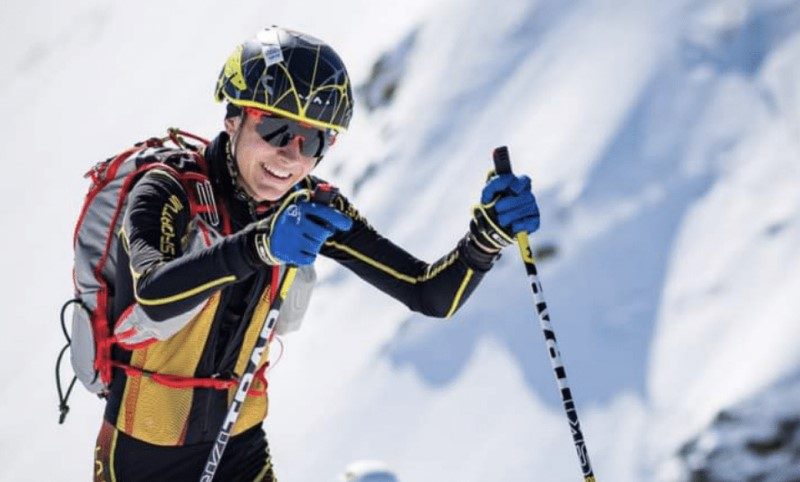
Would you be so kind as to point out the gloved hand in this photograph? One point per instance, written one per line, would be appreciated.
(507, 207)
(295, 233)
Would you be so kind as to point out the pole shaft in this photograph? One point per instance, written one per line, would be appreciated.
(324, 194)
(502, 164)
(555, 356)
(215, 456)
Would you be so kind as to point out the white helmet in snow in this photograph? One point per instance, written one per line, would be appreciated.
(368, 471)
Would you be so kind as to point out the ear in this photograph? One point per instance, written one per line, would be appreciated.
(231, 124)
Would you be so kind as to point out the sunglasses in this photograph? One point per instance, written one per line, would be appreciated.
(279, 132)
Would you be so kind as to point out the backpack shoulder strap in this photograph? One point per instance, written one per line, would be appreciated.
(184, 161)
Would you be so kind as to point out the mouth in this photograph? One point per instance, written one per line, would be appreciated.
(277, 173)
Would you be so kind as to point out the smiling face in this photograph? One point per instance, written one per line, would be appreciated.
(266, 173)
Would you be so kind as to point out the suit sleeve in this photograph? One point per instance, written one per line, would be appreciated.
(168, 282)
(436, 289)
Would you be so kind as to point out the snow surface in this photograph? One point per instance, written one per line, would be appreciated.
(663, 140)
(758, 439)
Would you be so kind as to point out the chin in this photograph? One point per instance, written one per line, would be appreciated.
(271, 194)
(269, 191)
(267, 197)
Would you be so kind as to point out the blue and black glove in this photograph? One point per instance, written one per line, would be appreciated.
(507, 207)
(295, 233)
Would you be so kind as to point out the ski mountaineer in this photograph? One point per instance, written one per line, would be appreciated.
(192, 300)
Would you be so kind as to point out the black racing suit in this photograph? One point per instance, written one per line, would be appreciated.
(436, 289)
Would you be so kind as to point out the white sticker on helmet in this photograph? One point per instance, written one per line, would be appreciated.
(270, 46)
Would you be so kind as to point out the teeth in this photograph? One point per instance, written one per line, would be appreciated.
(278, 173)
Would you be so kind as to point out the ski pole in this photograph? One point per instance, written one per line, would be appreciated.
(502, 165)
(324, 194)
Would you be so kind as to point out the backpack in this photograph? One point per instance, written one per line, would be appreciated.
(95, 244)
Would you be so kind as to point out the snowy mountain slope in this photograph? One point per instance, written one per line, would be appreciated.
(754, 440)
(646, 142)
(662, 138)
(735, 319)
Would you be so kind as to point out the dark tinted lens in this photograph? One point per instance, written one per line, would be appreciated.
(279, 132)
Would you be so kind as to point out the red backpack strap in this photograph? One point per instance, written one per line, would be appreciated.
(197, 185)
(177, 381)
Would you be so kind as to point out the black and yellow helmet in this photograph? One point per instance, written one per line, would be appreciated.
(290, 74)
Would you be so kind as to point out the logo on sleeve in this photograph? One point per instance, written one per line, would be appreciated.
(168, 212)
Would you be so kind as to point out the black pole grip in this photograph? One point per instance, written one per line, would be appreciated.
(324, 194)
(502, 161)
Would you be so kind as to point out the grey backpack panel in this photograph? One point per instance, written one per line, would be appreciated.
(95, 236)
(92, 236)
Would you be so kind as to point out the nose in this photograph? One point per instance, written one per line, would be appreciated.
(292, 148)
